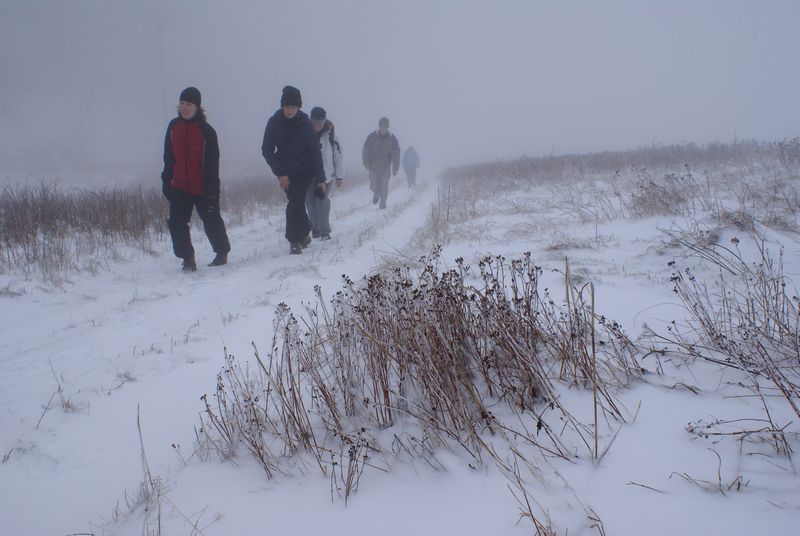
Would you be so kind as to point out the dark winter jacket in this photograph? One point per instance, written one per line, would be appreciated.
(381, 151)
(191, 157)
(291, 147)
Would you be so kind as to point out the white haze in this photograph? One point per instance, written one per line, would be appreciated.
(87, 87)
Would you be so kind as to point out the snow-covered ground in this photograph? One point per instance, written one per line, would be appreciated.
(142, 339)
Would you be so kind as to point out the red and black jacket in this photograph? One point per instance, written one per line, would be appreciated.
(191, 157)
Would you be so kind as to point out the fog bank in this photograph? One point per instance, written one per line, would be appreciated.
(89, 86)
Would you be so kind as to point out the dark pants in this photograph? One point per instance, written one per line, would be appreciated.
(411, 176)
(379, 184)
(181, 205)
(297, 223)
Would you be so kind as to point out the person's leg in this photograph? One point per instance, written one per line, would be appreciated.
(374, 185)
(383, 181)
(323, 217)
(408, 177)
(209, 212)
(413, 177)
(297, 223)
(180, 212)
(312, 204)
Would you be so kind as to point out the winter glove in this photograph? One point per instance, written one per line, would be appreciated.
(319, 193)
(166, 189)
(339, 182)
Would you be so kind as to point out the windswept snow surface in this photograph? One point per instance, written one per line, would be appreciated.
(141, 338)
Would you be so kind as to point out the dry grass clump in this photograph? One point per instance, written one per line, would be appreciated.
(747, 319)
(247, 198)
(652, 181)
(773, 202)
(789, 154)
(738, 219)
(557, 168)
(669, 194)
(406, 363)
(48, 231)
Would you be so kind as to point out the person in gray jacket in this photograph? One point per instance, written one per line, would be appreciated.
(318, 202)
(381, 157)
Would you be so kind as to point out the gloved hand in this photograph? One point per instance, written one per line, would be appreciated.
(339, 181)
(166, 189)
(319, 191)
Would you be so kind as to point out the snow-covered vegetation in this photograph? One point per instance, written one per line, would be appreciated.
(596, 344)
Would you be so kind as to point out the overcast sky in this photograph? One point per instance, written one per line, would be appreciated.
(88, 86)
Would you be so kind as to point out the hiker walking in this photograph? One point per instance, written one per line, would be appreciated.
(318, 202)
(381, 156)
(291, 149)
(191, 180)
(410, 165)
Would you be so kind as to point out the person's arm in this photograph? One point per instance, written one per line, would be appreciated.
(268, 149)
(395, 155)
(169, 162)
(210, 160)
(365, 152)
(338, 159)
(314, 148)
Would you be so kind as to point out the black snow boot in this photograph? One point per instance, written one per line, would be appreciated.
(296, 248)
(219, 260)
(189, 265)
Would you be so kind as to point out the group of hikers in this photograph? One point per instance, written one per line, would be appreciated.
(304, 153)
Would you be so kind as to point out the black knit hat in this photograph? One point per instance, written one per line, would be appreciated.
(383, 122)
(191, 94)
(318, 113)
(291, 97)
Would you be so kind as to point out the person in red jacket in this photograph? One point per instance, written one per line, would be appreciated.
(191, 180)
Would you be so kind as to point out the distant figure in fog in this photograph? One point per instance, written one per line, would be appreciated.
(381, 156)
(191, 180)
(318, 202)
(410, 165)
(291, 149)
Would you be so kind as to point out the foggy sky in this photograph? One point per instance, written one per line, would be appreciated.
(87, 87)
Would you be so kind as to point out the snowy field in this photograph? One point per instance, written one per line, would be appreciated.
(82, 362)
